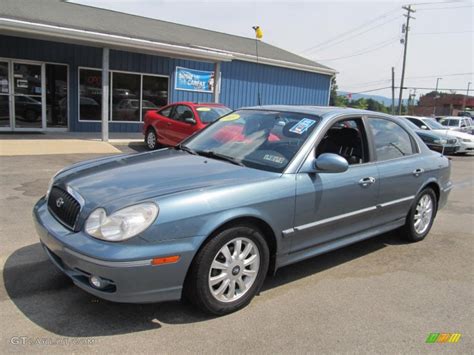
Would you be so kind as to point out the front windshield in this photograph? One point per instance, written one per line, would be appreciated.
(265, 140)
(432, 124)
(210, 114)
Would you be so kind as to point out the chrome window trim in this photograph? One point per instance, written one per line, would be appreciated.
(288, 231)
(136, 263)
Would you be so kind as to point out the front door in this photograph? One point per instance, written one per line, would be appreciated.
(27, 96)
(331, 206)
(21, 96)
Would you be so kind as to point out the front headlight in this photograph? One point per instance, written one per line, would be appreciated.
(122, 224)
(441, 141)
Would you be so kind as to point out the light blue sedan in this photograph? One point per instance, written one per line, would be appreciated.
(259, 189)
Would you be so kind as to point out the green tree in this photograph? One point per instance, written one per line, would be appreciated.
(333, 96)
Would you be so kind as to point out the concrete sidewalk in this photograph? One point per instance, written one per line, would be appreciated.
(14, 144)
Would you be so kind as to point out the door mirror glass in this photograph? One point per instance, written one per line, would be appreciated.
(424, 127)
(330, 163)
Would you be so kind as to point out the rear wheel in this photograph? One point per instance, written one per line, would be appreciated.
(228, 271)
(151, 140)
(421, 216)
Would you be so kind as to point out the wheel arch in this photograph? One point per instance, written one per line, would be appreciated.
(255, 221)
(433, 184)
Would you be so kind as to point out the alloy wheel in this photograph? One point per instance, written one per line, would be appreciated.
(423, 214)
(234, 270)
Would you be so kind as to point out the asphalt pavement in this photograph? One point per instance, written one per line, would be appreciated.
(379, 296)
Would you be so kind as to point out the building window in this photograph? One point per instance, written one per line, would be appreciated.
(56, 95)
(132, 95)
(155, 92)
(90, 94)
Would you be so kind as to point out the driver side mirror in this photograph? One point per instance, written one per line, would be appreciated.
(423, 127)
(190, 120)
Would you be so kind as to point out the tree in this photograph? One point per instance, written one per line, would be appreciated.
(333, 96)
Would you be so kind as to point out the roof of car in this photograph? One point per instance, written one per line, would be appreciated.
(80, 17)
(315, 110)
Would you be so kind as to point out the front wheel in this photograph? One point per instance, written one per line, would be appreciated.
(228, 271)
(421, 216)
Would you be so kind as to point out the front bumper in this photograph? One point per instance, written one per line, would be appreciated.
(466, 147)
(127, 267)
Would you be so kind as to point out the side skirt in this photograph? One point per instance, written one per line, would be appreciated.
(293, 257)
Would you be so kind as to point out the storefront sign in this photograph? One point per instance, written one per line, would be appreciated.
(194, 80)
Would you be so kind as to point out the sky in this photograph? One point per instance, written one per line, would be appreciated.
(360, 39)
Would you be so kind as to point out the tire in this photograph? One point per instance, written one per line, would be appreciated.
(151, 140)
(413, 233)
(246, 273)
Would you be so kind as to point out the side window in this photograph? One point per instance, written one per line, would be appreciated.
(419, 123)
(166, 112)
(348, 139)
(182, 112)
(391, 141)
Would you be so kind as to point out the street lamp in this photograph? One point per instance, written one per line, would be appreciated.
(436, 97)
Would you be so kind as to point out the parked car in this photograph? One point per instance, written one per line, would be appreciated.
(210, 218)
(175, 122)
(129, 109)
(428, 124)
(436, 141)
(460, 124)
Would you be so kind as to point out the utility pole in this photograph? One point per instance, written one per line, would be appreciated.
(405, 43)
(436, 97)
(466, 97)
(393, 91)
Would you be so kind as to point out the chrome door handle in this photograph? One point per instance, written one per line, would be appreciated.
(418, 172)
(367, 181)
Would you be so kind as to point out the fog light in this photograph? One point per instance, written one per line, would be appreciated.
(97, 282)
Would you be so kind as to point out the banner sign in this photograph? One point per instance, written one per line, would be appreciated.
(194, 80)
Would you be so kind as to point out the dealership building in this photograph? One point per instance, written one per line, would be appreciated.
(65, 66)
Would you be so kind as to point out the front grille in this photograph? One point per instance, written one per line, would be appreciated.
(452, 141)
(63, 206)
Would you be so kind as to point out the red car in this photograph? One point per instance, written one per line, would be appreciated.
(173, 123)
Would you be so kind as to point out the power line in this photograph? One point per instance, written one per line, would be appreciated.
(440, 33)
(366, 50)
(436, 2)
(445, 8)
(349, 32)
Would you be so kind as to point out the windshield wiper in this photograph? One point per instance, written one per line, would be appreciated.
(185, 149)
(211, 154)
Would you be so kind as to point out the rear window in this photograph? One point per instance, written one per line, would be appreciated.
(209, 114)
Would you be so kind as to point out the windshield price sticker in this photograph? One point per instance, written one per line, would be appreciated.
(231, 117)
(302, 126)
(203, 109)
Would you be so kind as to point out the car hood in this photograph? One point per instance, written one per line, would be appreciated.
(142, 176)
(456, 134)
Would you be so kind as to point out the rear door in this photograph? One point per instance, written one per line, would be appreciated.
(400, 168)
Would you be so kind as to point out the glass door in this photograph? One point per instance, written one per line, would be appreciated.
(4, 96)
(27, 96)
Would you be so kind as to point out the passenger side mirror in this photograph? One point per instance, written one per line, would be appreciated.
(424, 127)
(330, 163)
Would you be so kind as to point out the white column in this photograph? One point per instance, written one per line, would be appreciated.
(105, 94)
(217, 81)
